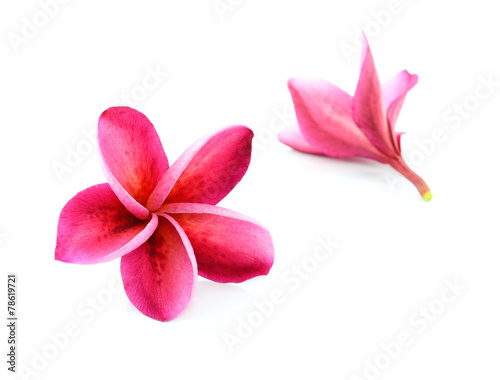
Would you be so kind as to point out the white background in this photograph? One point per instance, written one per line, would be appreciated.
(396, 251)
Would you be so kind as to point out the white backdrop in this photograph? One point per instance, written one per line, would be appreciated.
(404, 289)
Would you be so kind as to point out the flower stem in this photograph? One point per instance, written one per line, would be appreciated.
(419, 183)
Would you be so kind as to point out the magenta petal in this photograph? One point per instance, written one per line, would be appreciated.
(324, 115)
(368, 110)
(94, 227)
(229, 247)
(208, 170)
(159, 277)
(394, 93)
(132, 156)
(293, 138)
(398, 140)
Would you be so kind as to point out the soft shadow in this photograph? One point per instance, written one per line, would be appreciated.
(352, 166)
(211, 297)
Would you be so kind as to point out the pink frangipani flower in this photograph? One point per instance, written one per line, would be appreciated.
(335, 124)
(161, 220)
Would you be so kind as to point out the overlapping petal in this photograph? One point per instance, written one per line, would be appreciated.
(94, 227)
(324, 115)
(159, 277)
(132, 155)
(293, 138)
(208, 170)
(368, 108)
(229, 247)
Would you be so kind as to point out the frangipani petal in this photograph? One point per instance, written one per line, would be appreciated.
(398, 139)
(132, 156)
(94, 227)
(368, 109)
(394, 93)
(324, 115)
(159, 277)
(229, 247)
(125, 198)
(293, 138)
(208, 170)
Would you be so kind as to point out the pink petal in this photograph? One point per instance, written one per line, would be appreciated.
(229, 247)
(293, 138)
(208, 170)
(132, 155)
(159, 277)
(398, 140)
(324, 114)
(368, 110)
(394, 93)
(94, 227)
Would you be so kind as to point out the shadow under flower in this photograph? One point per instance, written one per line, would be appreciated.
(212, 300)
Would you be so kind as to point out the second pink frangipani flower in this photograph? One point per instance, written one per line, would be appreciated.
(161, 220)
(333, 123)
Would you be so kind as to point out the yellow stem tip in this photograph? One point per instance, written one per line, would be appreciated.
(427, 196)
